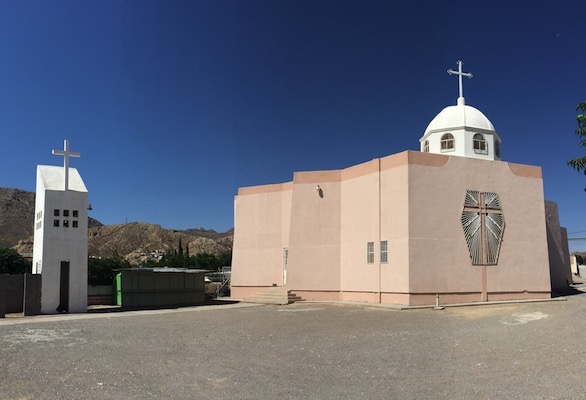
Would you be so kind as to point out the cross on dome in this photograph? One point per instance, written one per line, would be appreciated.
(66, 154)
(460, 75)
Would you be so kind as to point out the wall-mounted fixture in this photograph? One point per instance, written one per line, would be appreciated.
(320, 192)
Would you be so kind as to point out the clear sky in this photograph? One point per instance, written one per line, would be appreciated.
(174, 105)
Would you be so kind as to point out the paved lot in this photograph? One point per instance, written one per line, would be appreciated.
(300, 351)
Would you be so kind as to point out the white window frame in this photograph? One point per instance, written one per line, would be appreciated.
(447, 143)
(384, 251)
(285, 256)
(370, 252)
(479, 144)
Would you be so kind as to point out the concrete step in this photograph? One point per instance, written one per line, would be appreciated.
(273, 295)
(293, 297)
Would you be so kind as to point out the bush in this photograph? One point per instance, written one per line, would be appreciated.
(11, 262)
(101, 271)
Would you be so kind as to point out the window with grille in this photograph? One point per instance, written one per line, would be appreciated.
(384, 251)
(479, 144)
(447, 142)
(370, 252)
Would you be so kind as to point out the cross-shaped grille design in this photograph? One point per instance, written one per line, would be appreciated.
(484, 225)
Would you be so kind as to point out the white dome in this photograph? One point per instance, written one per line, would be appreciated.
(457, 117)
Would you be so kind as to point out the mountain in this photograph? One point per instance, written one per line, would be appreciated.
(135, 241)
(139, 241)
(17, 211)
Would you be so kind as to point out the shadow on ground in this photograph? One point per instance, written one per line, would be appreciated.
(100, 309)
(578, 287)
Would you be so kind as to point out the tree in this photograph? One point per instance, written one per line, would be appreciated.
(101, 271)
(11, 262)
(225, 258)
(579, 164)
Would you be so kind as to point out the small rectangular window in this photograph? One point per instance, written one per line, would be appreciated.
(55, 222)
(285, 256)
(66, 213)
(74, 224)
(75, 214)
(384, 251)
(56, 213)
(66, 223)
(370, 252)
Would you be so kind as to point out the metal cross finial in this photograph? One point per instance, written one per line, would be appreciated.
(460, 75)
(66, 154)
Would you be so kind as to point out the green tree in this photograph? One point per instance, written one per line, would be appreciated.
(101, 271)
(225, 258)
(11, 262)
(579, 164)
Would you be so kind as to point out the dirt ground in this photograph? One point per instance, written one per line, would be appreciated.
(300, 351)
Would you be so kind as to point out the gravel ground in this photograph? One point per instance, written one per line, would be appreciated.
(300, 351)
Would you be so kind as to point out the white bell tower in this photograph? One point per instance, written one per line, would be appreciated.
(60, 244)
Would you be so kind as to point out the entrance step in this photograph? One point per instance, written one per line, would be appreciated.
(274, 295)
(293, 297)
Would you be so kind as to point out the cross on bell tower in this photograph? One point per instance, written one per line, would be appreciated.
(460, 75)
(66, 154)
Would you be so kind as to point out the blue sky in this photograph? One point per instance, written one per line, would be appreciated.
(174, 105)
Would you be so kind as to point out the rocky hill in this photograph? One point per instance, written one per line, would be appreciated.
(139, 241)
(17, 210)
(135, 241)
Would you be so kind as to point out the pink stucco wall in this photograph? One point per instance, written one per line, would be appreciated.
(262, 217)
(414, 201)
(439, 259)
(314, 241)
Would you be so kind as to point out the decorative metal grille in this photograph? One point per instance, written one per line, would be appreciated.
(484, 224)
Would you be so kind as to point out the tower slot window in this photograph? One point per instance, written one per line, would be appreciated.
(447, 143)
(497, 149)
(74, 224)
(426, 146)
(66, 213)
(55, 222)
(370, 252)
(479, 144)
(66, 223)
(56, 213)
(75, 213)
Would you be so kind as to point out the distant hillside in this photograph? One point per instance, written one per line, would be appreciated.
(209, 233)
(17, 210)
(138, 241)
(135, 241)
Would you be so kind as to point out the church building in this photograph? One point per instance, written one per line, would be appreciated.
(450, 222)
